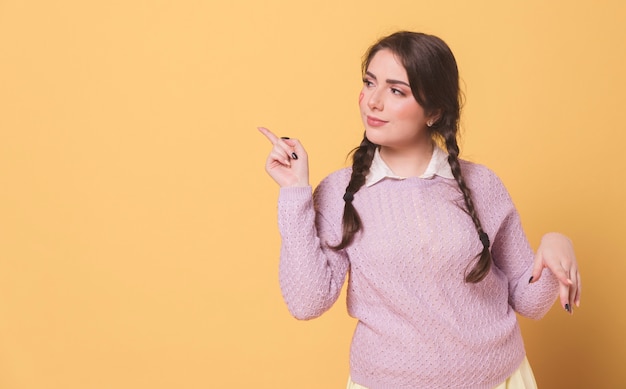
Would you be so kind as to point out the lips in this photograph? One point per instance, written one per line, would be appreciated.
(375, 122)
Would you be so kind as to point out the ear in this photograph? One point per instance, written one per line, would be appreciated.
(433, 117)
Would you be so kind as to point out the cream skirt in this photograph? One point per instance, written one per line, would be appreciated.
(522, 378)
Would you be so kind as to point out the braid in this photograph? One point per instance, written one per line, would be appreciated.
(361, 161)
(434, 80)
(481, 268)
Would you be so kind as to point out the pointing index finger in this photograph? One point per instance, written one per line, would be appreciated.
(268, 134)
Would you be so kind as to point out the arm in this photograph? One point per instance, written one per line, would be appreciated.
(528, 295)
(513, 255)
(311, 275)
(510, 251)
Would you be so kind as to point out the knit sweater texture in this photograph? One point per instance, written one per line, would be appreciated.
(420, 325)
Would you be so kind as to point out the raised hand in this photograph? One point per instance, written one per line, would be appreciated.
(288, 162)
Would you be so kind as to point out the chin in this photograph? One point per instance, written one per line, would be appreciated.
(375, 136)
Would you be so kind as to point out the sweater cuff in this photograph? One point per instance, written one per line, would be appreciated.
(295, 193)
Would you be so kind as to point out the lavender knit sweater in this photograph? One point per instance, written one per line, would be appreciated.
(419, 324)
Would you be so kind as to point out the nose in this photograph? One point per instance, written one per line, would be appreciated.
(375, 101)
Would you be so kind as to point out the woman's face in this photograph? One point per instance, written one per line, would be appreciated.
(391, 115)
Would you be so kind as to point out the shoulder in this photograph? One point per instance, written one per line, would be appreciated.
(337, 180)
(480, 176)
(487, 188)
(330, 191)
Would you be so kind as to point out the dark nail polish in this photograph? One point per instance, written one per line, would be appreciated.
(284, 137)
(567, 308)
(531, 280)
(294, 155)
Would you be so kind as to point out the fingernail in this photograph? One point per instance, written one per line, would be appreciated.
(567, 308)
(294, 155)
(284, 137)
(531, 279)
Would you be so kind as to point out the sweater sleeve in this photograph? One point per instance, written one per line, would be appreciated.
(513, 255)
(311, 274)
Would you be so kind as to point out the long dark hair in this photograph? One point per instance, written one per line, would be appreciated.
(434, 80)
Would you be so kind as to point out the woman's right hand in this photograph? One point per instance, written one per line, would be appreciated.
(288, 162)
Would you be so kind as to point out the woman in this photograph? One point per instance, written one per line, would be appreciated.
(434, 247)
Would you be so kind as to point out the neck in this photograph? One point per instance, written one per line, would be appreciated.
(408, 162)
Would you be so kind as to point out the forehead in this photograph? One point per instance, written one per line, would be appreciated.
(385, 64)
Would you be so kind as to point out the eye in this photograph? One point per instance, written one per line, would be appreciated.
(367, 82)
(396, 91)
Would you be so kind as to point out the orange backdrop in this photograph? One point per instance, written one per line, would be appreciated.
(138, 239)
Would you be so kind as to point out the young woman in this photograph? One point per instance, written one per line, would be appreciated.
(434, 247)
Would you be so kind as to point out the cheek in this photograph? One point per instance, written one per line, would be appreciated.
(410, 111)
(361, 97)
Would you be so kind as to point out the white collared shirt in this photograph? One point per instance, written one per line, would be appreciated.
(438, 166)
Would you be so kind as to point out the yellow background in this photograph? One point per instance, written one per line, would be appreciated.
(138, 238)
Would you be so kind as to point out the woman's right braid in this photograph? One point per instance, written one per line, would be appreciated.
(361, 163)
(482, 267)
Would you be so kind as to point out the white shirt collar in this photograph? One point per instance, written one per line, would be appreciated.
(438, 166)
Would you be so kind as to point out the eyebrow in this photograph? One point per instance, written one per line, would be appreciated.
(389, 81)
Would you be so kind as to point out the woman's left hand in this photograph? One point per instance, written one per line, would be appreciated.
(556, 252)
